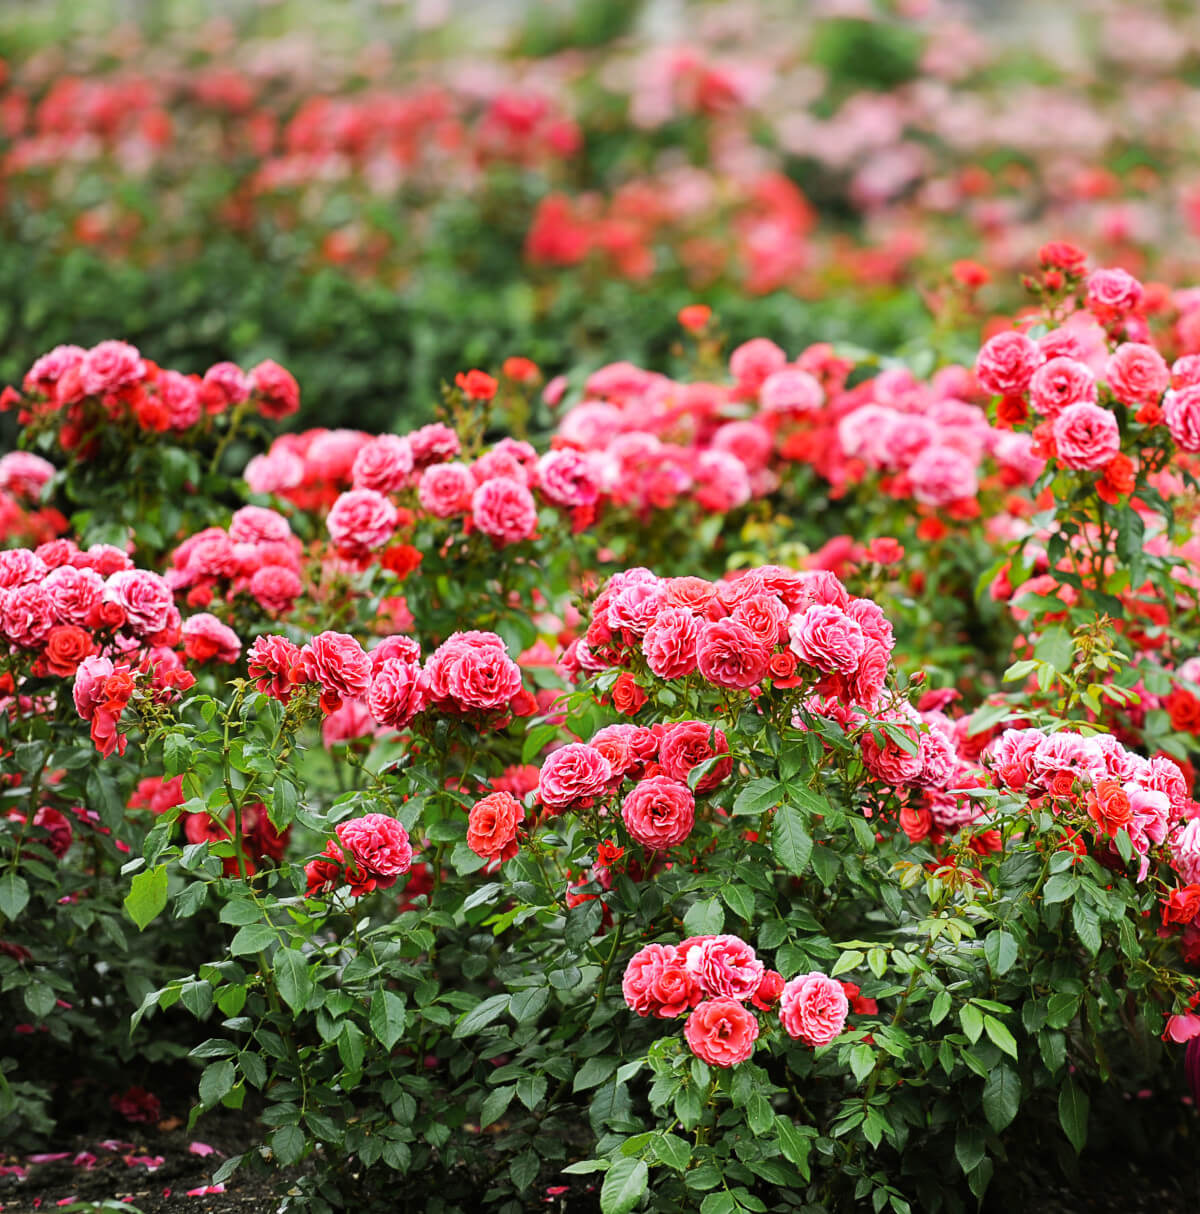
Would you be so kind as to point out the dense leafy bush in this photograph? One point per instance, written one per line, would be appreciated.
(461, 844)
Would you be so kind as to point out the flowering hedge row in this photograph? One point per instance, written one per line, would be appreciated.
(583, 812)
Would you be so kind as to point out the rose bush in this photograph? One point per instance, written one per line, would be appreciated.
(589, 810)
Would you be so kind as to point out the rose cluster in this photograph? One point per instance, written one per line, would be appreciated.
(256, 556)
(768, 626)
(1106, 789)
(711, 979)
(85, 393)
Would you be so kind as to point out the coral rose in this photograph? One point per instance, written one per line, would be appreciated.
(721, 1032)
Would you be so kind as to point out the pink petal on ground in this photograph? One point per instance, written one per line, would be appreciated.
(85, 1159)
(205, 1190)
(49, 1158)
(115, 1144)
(202, 1148)
(12, 1169)
(66, 1201)
(150, 1162)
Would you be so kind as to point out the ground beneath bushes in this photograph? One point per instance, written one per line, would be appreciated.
(1107, 1183)
(126, 1167)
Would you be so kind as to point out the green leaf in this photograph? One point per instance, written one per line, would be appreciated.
(740, 900)
(794, 1144)
(481, 1015)
(673, 1151)
(252, 938)
(387, 1017)
(790, 842)
(14, 895)
(704, 918)
(1000, 1037)
(288, 1144)
(531, 1090)
(849, 960)
(940, 1008)
(625, 1184)
(147, 896)
(1056, 648)
(1059, 888)
(1061, 1009)
(1087, 927)
(524, 1169)
(969, 1147)
(759, 1114)
(215, 1081)
(1000, 949)
(1073, 1113)
(495, 1105)
(292, 978)
(758, 796)
(40, 999)
(971, 1019)
(1001, 1097)
(862, 1061)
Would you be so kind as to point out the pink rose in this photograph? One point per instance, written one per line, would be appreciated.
(88, 691)
(146, 599)
(23, 473)
(399, 691)
(276, 389)
(446, 490)
(941, 475)
(26, 615)
(504, 510)
(726, 967)
(730, 655)
(111, 365)
(765, 615)
(753, 361)
(181, 395)
(813, 1009)
(73, 592)
(575, 774)
(433, 444)
(1182, 415)
(1113, 293)
(473, 670)
(361, 521)
(259, 525)
(670, 643)
(1059, 383)
(1137, 374)
(635, 606)
(384, 464)
(657, 983)
(405, 648)
(1006, 364)
(659, 812)
(791, 391)
(824, 636)
(378, 846)
(721, 1032)
(568, 478)
(275, 588)
(206, 639)
(20, 567)
(272, 659)
(1086, 436)
(687, 744)
(337, 662)
(224, 385)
